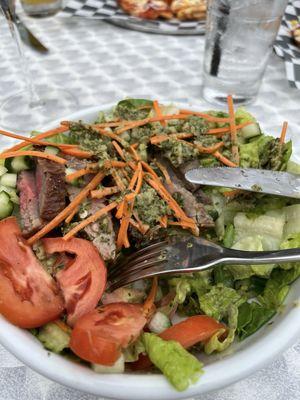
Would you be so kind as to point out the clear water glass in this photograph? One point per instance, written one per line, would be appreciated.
(41, 8)
(239, 39)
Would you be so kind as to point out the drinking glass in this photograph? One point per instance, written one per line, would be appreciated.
(31, 108)
(41, 8)
(239, 39)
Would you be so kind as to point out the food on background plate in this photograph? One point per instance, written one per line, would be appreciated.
(74, 198)
(167, 9)
(295, 25)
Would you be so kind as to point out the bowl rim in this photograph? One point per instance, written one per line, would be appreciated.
(219, 374)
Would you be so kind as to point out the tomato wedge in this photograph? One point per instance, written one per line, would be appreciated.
(193, 330)
(83, 279)
(29, 297)
(100, 336)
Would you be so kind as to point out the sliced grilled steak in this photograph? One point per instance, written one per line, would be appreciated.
(191, 205)
(51, 188)
(101, 233)
(29, 203)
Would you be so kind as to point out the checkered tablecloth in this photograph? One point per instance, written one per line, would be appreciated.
(101, 63)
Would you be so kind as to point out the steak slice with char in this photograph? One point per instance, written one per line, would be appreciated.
(29, 203)
(51, 188)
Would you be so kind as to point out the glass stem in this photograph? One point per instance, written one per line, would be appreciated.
(34, 99)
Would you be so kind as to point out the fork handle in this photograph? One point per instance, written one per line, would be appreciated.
(232, 256)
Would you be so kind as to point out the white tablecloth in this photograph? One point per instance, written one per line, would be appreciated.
(101, 63)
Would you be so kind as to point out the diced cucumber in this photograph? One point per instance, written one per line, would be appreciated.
(51, 150)
(11, 192)
(6, 206)
(117, 368)
(159, 322)
(19, 164)
(250, 131)
(3, 170)
(9, 180)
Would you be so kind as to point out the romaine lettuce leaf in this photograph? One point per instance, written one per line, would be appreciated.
(293, 167)
(251, 317)
(132, 352)
(132, 109)
(217, 301)
(292, 215)
(179, 366)
(214, 343)
(292, 241)
(222, 274)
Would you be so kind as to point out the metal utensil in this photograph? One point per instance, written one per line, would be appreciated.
(9, 11)
(253, 180)
(182, 254)
(28, 37)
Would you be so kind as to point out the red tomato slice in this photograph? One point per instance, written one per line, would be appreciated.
(100, 336)
(83, 280)
(29, 297)
(193, 330)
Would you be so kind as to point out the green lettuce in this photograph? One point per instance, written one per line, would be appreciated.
(293, 167)
(217, 301)
(251, 317)
(250, 153)
(214, 343)
(53, 337)
(179, 366)
(132, 352)
(133, 109)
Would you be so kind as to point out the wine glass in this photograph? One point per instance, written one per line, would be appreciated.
(31, 108)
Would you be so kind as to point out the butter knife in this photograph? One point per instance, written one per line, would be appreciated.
(28, 37)
(250, 179)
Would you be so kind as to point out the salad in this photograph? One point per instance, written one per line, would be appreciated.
(74, 198)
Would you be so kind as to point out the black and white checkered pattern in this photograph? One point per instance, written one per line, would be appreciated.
(110, 11)
(285, 47)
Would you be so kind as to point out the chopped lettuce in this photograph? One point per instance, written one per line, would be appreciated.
(293, 167)
(290, 242)
(132, 352)
(251, 317)
(229, 236)
(214, 343)
(222, 274)
(53, 337)
(179, 366)
(133, 109)
(292, 215)
(217, 301)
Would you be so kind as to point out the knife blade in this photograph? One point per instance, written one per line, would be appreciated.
(250, 179)
(28, 37)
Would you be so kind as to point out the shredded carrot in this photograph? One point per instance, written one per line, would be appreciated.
(150, 170)
(165, 173)
(209, 150)
(98, 214)
(143, 227)
(232, 193)
(63, 326)
(78, 153)
(158, 112)
(136, 124)
(136, 225)
(122, 239)
(118, 179)
(164, 221)
(134, 179)
(135, 145)
(283, 132)
(119, 150)
(120, 210)
(149, 305)
(35, 141)
(52, 132)
(79, 173)
(114, 164)
(111, 124)
(233, 133)
(182, 135)
(66, 211)
(110, 135)
(72, 215)
(134, 153)
(226, 129)
(33, 153)
(208, 117)
(139, 179)
(159, 139)
(101, 193)
(224, 160)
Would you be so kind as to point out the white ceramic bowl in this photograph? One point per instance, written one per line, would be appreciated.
(242, 360)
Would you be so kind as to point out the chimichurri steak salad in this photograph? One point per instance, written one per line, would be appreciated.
(74, 198)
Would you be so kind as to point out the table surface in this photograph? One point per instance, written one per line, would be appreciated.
(100, 63)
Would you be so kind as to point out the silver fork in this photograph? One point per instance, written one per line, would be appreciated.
(181, 254)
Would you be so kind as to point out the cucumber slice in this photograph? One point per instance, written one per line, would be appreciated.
(9, 180)
(51, 150)
(250, 131)
(159, 322)
(6, 206)
(19, 164)
(11, 192)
